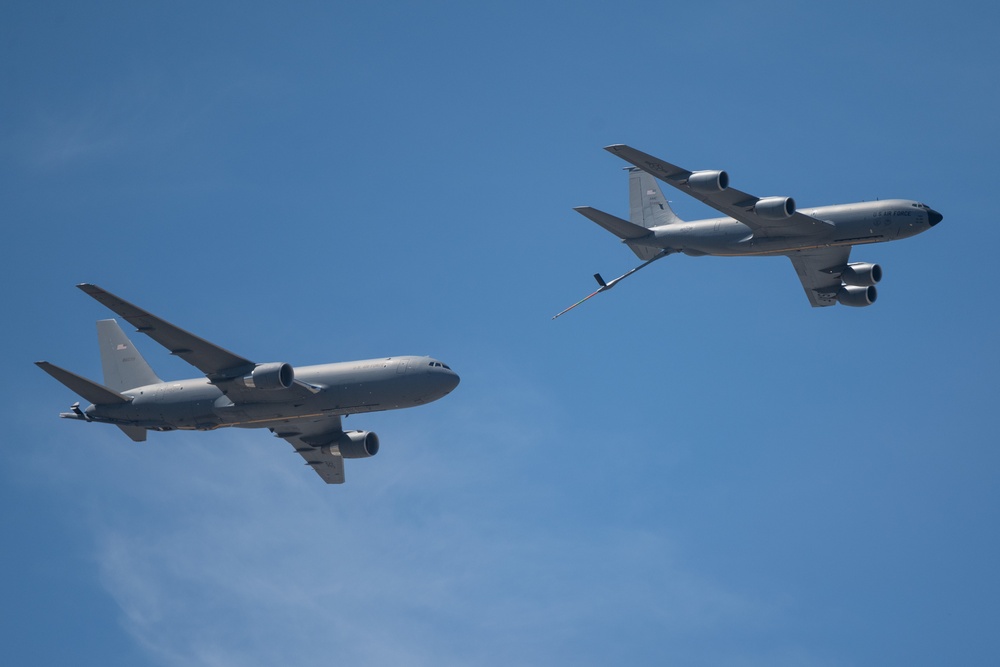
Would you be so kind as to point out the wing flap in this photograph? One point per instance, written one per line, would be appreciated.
(306, 437)
(819, 272)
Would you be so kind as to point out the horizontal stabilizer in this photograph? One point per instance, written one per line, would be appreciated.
(137, 433)
(96, 393)
(623, 229)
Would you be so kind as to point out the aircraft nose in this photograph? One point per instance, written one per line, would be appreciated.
(933, 217)
(444, 379)
(451, 381)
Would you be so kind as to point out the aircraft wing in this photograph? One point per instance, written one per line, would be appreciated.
(212, 360)
(814, 269)
(307, 437)
(730, 201)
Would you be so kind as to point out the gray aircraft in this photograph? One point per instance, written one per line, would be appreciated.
(817, 240)
(303, 406)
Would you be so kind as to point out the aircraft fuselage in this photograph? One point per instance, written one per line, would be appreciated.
(850, 224)
(343, 388)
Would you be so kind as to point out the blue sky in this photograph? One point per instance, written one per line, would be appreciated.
(695, 469)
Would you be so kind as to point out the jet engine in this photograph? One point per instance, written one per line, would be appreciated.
(857, 295)
(708, 181)
(861, 274)
(354, 445)
(269, 377)
(775, 208)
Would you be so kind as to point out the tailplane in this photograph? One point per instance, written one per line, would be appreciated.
(124, 368)
(137, 433)
(647, 205)
(96, 393)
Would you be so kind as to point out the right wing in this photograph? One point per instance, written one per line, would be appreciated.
(730, 201)
(819, 271)
(308, 438)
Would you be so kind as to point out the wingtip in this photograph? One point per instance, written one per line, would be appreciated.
(613, 148)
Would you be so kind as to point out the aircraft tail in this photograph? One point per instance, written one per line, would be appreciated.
(623, 229)
(137, 433)
(124, 368)
(96, 393)
(647, 205)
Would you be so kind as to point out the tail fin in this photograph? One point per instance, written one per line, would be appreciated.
(124, 367)
(647, 205)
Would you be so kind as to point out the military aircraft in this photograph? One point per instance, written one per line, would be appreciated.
(303, 406)
(817, 240)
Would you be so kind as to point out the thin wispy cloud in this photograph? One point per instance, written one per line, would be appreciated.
(221, 550)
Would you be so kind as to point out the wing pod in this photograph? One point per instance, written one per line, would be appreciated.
(354, 445)
(861, 274)
(708, 182)
(270, 377)
(775, 208)
(857, 295)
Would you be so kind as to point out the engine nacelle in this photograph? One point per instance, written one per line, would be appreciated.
(861, 274)
(354, 445)
(269, 377)
(857, 295)
(775, 208)
(708, 181)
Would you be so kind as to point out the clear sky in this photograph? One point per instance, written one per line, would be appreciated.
(695, 469)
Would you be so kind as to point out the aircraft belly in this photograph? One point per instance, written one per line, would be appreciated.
(176, 405)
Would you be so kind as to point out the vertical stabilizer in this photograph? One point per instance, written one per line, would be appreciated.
(124, 367)
(647, 205)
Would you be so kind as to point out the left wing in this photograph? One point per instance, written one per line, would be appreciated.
(215, 362)
(819, 270)
(308, 438)
(222, 367)
(730, 201)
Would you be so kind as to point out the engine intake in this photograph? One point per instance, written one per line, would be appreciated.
(775, 208)
(861, 274)
(354, 445)
(857, 296)
(708, 181)
(270, 377)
